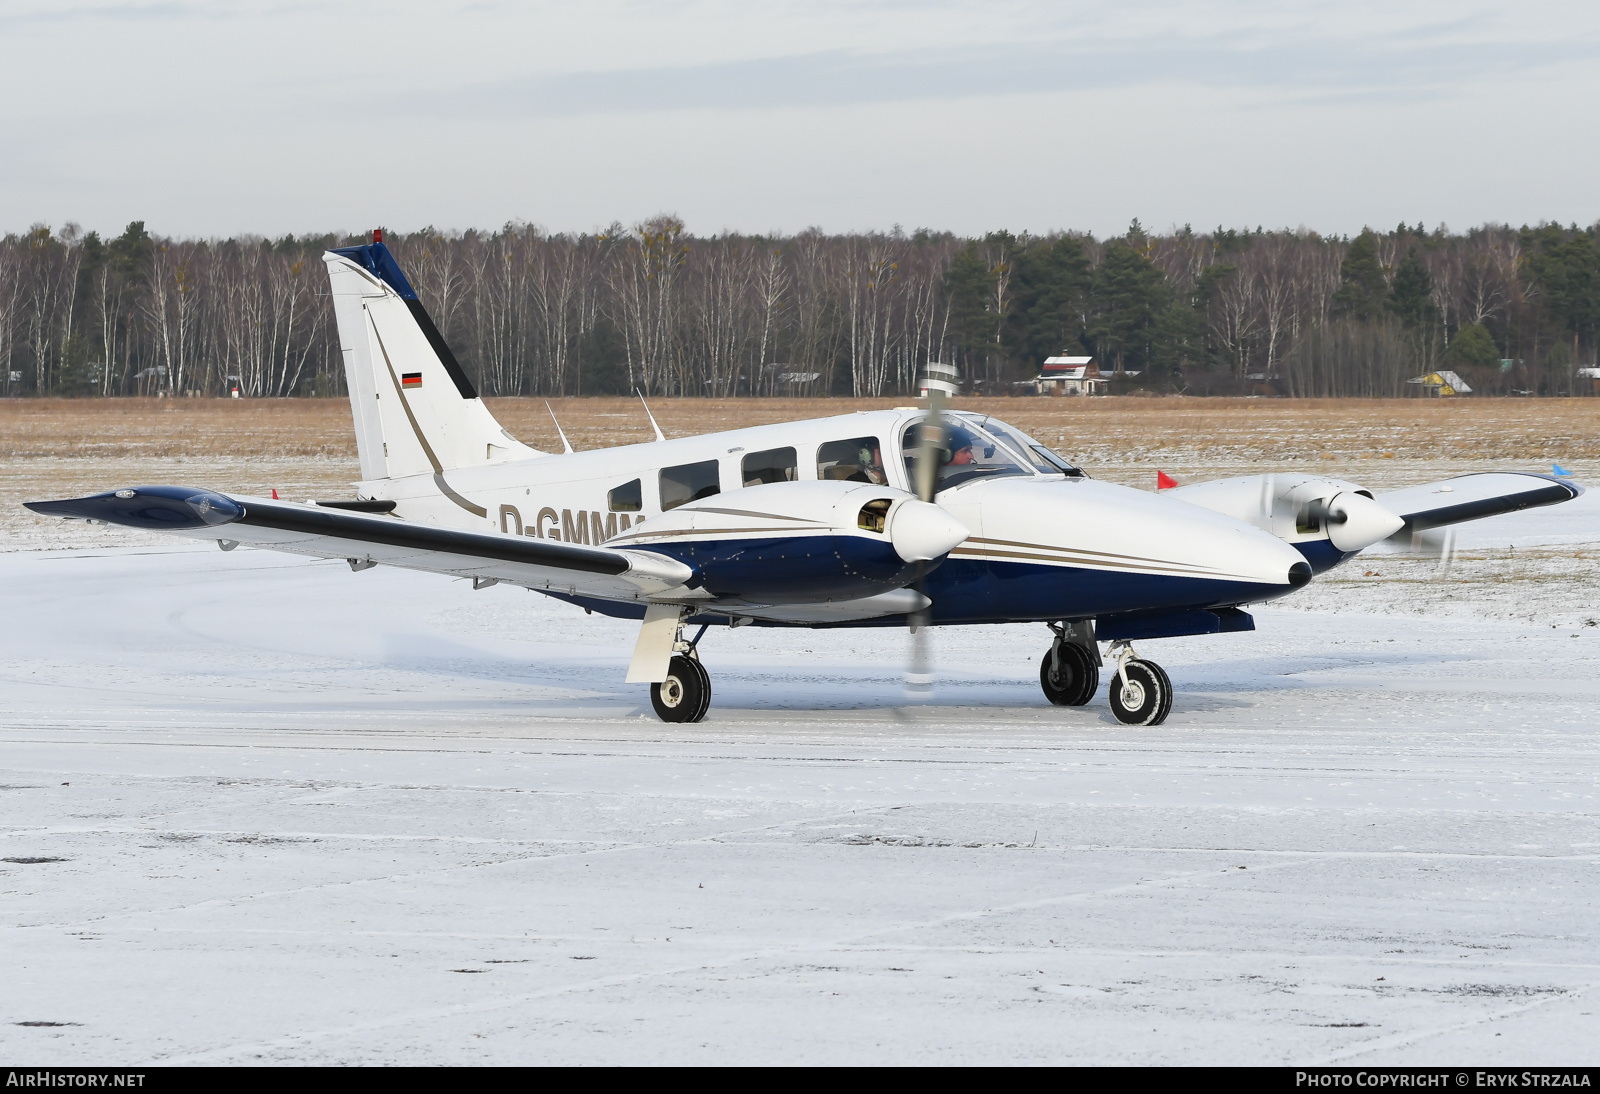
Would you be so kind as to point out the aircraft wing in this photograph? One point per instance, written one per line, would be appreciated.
(1469, 497)
(361, 538)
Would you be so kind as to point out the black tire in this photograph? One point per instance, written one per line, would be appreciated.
(1166, 691)
(1075, 682)
(705, 688)
(1146, 698)
(684, 695)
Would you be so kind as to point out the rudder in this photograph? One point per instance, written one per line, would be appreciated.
(415, 409)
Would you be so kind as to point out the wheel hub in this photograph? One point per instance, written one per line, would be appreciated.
(671, 691)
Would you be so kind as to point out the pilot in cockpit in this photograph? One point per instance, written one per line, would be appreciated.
(960, 448)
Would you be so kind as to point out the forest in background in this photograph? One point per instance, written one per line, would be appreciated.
(654, 308)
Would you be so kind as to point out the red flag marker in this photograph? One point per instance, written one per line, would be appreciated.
(274, 495)
(1165, 481)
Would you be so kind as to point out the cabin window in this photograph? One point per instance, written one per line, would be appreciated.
(627, 498)
(1050, 457)
(859, 459)
(773, 465)
(688, 482)
(1020, 444)
(873, 514)
(961, 451)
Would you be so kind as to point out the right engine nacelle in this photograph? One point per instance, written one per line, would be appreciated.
(1328, 520)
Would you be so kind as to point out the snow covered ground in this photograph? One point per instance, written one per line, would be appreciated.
(294, 814)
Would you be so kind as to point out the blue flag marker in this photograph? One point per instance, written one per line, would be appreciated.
(1562, 471)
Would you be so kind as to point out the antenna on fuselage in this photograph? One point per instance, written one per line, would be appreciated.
(565, 444)
(649, 415)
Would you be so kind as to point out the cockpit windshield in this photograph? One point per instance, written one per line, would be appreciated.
(962, 451)
(1036, 455)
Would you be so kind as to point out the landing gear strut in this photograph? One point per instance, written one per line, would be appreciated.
(685, 695)
(1140, 693)
(1070, 671)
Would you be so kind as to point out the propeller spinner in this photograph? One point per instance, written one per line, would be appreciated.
(1355, 521)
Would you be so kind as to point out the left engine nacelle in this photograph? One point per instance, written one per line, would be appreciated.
(803, 542)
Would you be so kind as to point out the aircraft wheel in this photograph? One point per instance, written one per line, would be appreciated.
(684, 695)
(1166, 692)
(705, 689)
(1074, 683)
(1145, 699)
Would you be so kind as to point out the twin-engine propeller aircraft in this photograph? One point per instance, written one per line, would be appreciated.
(909, 517)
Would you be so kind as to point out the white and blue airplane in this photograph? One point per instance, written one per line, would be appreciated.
(908, 517)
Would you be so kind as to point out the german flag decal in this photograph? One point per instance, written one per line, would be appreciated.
(411, 379)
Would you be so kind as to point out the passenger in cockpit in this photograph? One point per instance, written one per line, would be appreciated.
(871, 462)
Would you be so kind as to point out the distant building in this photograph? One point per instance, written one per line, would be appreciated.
(1066, 376)
(1443, 382)
(786, 376)
(1589, 381)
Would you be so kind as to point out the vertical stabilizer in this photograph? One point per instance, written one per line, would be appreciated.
(415, 410)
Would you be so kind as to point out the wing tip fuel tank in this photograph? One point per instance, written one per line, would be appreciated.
(159, 508)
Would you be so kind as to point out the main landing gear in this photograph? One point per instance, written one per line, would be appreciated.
(1139, 690)
(1070, 671)
(685, 695)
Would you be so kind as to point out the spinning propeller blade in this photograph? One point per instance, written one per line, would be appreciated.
(1438, 544)
(939, 381)
(1269, 501)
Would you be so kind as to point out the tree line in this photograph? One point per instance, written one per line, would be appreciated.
(657, 309)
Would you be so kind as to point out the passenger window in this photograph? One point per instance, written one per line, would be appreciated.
(773, 465)
(627, 498)
(688, 482)
(857, 460)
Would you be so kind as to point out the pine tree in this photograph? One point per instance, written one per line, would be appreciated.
(1473, 345)
(1411, 298)
(1129, 292)
(1052, 284)
(1362, 289)
(967, 284)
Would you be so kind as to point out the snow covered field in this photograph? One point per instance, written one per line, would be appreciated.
(294, 814)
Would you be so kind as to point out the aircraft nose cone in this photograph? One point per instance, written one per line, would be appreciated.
(1356, 521)
(922, 531)
(1299, 574)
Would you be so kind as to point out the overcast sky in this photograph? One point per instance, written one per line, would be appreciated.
(218, 118)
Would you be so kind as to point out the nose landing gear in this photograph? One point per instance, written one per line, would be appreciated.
(1141, 694)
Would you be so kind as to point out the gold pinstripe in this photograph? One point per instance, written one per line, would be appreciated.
(1102, 560)
(648, 534)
